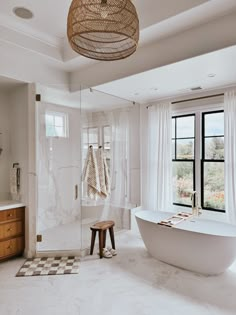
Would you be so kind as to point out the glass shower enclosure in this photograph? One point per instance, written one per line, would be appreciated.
(66, 128)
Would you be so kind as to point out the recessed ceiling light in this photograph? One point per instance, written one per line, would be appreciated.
(136, 93)
(23, 13)
(211, 75)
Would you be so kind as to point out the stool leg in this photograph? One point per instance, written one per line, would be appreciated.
(92, 242)
(111, 231)
(104, 238)
(100, 243)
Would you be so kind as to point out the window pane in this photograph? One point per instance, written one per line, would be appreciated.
(59, 131)
(185, 149)
(107, 134)
(182, 182)
(107, 146)
(173, 127)
(185, 127)
(85, 136)
(93, 135)
(56, 124)
(59, 121)
(50, 131)
(214, 124)
(49, 120)
(214, 148)
(214, 185)
(173, 149)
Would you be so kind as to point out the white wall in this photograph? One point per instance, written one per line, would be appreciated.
(18, 100)
(13, 125)
(17, 123)
(5, 144)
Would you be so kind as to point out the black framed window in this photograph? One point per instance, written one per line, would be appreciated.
(183, 157)
(212, 166)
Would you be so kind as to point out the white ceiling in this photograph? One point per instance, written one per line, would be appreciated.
(50, 17)
(178, 78)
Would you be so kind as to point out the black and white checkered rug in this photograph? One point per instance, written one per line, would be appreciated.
(49, 266)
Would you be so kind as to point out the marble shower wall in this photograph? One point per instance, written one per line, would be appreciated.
(58, 170)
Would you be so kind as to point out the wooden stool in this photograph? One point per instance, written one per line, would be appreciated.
(102, 227)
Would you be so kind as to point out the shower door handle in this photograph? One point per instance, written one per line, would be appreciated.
(76, 192)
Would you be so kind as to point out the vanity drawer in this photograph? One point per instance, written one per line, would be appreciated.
(11, 214)
(11, 247)
(8, 230)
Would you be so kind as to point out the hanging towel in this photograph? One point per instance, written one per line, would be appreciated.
(103, 172)
(91, 175)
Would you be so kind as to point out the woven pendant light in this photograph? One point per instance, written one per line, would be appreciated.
(103, 29)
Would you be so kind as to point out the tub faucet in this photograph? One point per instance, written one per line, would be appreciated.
(196, 210)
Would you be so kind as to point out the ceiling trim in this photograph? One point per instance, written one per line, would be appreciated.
(30, 43)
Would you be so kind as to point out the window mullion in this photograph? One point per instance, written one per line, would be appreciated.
(198, 154)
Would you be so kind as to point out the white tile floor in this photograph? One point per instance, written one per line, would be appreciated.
(132, 283)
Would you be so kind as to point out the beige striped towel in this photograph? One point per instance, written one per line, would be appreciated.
(90, 174)
(103, 172)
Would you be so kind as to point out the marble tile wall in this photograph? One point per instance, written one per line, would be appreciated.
(58, 171)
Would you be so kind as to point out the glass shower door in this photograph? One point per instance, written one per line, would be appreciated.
(59, 172)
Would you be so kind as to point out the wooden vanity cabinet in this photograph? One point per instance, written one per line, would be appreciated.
(12, 232)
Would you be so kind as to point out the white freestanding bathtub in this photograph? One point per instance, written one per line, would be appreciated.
(203, 246)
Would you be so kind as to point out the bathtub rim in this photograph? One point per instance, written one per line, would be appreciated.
(166, 215)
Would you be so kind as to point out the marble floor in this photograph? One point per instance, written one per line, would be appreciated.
(132, 283)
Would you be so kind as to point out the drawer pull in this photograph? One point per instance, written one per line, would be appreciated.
(9, 230)
(9, 247)
(10, 215)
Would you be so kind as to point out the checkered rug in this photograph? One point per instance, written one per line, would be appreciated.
(49, 266)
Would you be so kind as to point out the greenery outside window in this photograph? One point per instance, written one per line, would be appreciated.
(183, 157)
(212, 168)
(198, 159)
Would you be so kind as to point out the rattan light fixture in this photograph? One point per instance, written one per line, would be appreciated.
(103, 29)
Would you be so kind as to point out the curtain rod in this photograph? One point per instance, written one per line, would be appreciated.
(197, 98)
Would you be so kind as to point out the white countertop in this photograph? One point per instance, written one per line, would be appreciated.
(10, 204)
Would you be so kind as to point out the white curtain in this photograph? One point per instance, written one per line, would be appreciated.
(230, 155)
(120, 158)
(159, 161)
